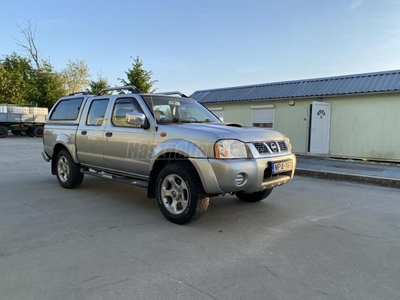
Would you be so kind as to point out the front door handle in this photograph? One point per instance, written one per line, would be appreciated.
(83, 132)
(108, 134)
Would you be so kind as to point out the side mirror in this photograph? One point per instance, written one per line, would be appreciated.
(137, 119)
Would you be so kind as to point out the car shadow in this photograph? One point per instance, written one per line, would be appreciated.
(225, 210)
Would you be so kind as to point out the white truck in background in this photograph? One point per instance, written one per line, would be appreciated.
(21, 120)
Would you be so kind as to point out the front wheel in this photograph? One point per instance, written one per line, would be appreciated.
(254, 197)
(180, 194)
(68, 173)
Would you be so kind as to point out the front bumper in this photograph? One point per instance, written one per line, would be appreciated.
(219, 175)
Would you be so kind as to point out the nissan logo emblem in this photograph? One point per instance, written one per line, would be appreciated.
(274, 148)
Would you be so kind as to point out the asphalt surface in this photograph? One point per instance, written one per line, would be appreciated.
(311, 239)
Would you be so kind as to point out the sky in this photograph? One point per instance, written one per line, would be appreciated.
(203, 44)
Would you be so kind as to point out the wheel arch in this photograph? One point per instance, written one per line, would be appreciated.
(167, 152)
(181, 147)
(158, 164)
(60, 145)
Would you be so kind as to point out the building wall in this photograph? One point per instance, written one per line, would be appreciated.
(366, 127)
(290, 120)
(362, 127)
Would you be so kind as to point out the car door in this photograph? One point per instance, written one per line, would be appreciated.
(127, 148)
(89, 138)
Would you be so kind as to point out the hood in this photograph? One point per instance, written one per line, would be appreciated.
(233, 131)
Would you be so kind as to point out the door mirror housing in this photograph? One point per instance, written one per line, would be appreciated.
(134, 118)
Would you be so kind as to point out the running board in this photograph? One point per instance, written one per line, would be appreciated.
(127, 180)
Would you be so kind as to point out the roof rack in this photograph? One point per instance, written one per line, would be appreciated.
(174, 93)
(78, 93)
(125, 87)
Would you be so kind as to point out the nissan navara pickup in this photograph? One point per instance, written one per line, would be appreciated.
(167, 143)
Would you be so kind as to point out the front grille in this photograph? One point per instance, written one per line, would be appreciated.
(261, 148)
(270, 147)
(282, 146)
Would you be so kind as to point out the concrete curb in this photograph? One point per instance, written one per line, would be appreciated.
(382, 181)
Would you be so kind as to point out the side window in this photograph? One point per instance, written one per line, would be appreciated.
(121, 108)
(96, 112)
(67, 109)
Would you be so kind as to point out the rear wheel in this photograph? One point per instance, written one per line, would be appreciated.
(180, 194)
(254, 197)
(68, 173)
(3, 131)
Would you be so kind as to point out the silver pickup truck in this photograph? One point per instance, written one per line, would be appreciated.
(170, 144)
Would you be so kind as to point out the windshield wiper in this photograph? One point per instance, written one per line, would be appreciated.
(176, 120)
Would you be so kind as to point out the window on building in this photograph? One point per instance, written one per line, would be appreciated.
(263, 116)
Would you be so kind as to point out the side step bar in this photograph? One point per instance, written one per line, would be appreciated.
(127, 180)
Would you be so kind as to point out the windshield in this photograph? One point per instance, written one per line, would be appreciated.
(173, 110)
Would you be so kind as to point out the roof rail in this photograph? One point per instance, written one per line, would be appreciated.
(78, 93)
(174, 93)
(125, 87)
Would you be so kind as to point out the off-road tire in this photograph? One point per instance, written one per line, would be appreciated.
(67, 170)
(178, 183)
(254, 197)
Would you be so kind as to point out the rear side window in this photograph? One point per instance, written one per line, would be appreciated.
(67, 109)
(96, 112)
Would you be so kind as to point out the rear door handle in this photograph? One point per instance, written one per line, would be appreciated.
(83, 132)
(108, 134)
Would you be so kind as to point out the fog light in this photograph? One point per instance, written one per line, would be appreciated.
(239, 180)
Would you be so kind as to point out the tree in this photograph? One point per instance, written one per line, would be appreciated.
(30, 80)
(47, 86)
(16, 75)
(96, 86)
(76, 76)
(22, 84)
(29, 33)
(139, 77)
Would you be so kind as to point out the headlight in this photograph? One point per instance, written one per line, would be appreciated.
(230, 149)
(287, 140)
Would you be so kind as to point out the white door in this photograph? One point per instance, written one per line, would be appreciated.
(320, 127)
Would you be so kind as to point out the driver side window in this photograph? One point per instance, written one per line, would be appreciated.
(121, 107)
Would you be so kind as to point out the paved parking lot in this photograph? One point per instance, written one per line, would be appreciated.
(311, 239)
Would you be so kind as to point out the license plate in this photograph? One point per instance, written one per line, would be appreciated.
(283, 166)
